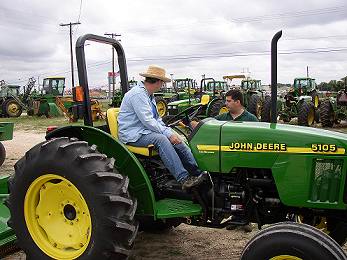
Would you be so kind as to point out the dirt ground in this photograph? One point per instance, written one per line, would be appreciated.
(183, 242)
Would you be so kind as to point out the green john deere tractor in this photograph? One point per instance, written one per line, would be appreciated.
(83, 194)
(180, 90)
(334, 108)
(10, 105)
(253, 96)
(302, 101)
(209, 98)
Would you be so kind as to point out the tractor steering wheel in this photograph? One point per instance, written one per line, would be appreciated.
(185, 117)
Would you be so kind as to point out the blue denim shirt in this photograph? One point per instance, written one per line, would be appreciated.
(138, 116)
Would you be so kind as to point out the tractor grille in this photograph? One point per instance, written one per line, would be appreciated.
(326, 180)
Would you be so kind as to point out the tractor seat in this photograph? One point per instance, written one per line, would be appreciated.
(112, 115)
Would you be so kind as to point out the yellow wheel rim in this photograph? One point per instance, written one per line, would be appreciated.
(223, 110)
(161, 108)
(310, 118)
(285, 257)
(13, 108)
(316, 101)
(57, 217)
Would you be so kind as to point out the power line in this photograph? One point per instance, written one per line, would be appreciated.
(236, 42)
(206, 56)
(274, 16)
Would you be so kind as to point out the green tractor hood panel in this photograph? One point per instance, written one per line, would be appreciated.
(298, 157)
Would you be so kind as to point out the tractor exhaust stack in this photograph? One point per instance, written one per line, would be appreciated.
(274, 41)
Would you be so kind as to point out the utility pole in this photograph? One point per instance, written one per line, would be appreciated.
(71, 57)
(113, 36)
(306, 71)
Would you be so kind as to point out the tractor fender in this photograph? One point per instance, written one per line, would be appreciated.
(126, 162)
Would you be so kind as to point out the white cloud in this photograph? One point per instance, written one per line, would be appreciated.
(34, 44)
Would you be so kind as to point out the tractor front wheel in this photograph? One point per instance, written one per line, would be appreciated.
(306, 114)
(266, 110)
(67, 201)
(327, 115)
(292, 241)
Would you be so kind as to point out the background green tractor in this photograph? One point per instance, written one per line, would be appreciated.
(253, 96)
(334, 108)
(81, 193)
(10, 103)
(301, 101)
(209, 97)
(181, 89)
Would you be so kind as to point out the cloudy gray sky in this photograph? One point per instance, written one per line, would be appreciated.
(187, 37)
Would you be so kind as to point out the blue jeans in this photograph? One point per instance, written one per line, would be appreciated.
(178, 159)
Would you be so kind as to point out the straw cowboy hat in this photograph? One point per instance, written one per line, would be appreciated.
(154, 71)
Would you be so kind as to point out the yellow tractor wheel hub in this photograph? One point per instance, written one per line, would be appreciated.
(161, 108)
(57, 217)
(316, 101)
(13, 108)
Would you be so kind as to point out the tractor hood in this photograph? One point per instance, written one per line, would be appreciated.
(221, 146)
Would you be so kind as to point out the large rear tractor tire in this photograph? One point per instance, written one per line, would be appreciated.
(161, 106)
(292, 241)
(2, 153)
(306, 114)
(266, 110)
(216, 108)
(67, 201)
(327, 115)
(255, 106)
(13, 108)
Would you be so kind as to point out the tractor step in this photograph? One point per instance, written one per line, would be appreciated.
(7, 236)
(173, 208)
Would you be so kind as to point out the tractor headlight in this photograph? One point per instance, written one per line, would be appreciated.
(174, 107)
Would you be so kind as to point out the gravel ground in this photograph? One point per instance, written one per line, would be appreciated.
(183, 242)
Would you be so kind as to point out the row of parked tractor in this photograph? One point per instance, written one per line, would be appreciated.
(302, 101)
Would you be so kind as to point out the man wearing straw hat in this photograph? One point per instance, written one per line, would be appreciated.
(140, 125)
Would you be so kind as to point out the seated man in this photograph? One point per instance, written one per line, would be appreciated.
(237, 112)
(139, 125)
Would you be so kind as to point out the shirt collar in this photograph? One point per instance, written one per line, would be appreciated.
(141, 85)
(242, 114)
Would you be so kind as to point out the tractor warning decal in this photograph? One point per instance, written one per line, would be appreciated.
(272, 147)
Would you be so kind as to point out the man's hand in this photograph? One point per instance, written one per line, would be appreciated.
(175, 139)
(194, 124)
